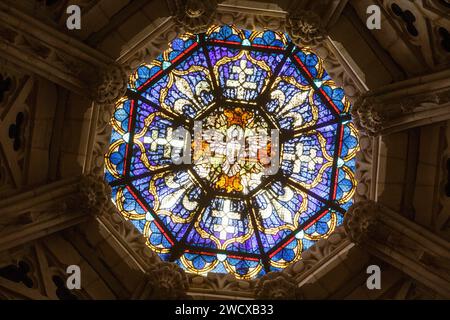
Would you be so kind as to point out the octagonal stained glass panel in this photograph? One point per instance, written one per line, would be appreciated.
(221, 210)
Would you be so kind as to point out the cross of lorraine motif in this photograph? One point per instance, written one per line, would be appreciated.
(299, 157)
(226, 216)
(154, 141)
(241, 84)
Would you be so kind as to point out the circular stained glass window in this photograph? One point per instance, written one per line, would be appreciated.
(233, 152)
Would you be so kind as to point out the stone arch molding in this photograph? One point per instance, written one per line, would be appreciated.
(305, 28)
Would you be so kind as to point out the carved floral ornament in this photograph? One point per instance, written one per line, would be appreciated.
(195, 15)
(305, 27)
(94, 196)
(366, 116)
(361, 221)
(111, 86)
(374, 115)
(277, 286)
(165, 281)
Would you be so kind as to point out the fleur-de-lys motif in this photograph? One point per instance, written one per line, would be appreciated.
(361, 221)
(277, 286)
(304, 26)
(166, 281)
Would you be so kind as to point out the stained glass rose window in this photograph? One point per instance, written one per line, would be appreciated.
(237, 203)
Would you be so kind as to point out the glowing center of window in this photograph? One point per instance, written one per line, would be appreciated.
(234, 151)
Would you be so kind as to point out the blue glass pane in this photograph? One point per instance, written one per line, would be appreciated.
(309, 158)
(225, 225)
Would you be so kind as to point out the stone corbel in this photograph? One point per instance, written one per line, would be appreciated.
(403, 105)
(92, 197)
(277, 286)
(163, 281)
(361, 221)
(308, 22)
(305, 27)
(111, 85)
(401, 243)
(193, 15)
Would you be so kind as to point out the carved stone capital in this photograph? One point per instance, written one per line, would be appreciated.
(277, 286)
(218, 282)
(366, 116)
(111, 86)
(361, 221)
(378, 113)
(305, 28)
(194, 15)
(93, 197)
(165, 281)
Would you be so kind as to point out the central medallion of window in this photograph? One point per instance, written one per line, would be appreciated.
(232, 152)
(234, 149)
